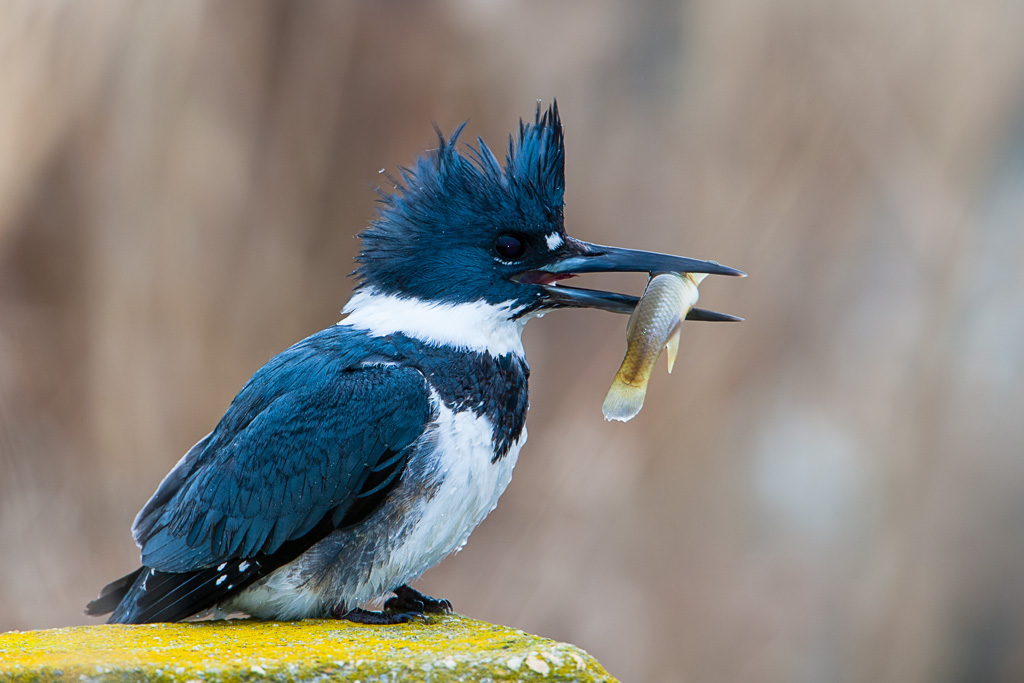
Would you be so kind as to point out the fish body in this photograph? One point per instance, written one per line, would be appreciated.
(653, 327)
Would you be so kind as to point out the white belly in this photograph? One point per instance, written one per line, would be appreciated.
(469, 488)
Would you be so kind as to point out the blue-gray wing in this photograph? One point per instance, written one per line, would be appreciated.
(314, 441)
(305, 442)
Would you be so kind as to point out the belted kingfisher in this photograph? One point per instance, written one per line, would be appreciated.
(360, 457)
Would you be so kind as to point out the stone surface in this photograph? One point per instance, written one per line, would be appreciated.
(445, 648)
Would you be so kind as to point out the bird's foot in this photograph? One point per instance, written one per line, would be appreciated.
(411, 600)
(365, 616)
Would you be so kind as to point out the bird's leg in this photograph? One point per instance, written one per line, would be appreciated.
(365, 616)
(411, 600)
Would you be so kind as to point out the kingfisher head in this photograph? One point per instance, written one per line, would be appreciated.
(466, 232)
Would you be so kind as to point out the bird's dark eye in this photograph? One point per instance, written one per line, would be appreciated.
(509, 248)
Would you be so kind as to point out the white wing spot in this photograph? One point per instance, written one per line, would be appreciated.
(243, 566)
(221, 567)
(554, 241)
(222, 579)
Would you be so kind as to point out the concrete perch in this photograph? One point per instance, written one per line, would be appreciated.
(446, 648)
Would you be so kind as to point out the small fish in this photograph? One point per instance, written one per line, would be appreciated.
(654, 326)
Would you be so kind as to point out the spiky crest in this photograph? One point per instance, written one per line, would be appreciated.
(448, 195)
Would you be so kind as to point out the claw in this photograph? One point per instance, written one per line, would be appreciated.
(411, 600)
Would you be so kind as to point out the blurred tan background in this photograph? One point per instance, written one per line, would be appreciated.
(830, 491)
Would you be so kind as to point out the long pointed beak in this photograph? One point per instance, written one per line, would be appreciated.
(595, 258)
(583, 257)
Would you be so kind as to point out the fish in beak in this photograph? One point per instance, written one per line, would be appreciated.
(576, 257)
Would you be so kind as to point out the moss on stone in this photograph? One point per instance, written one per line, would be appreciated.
(445, 648)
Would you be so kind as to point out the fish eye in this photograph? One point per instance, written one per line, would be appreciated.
(509, 247)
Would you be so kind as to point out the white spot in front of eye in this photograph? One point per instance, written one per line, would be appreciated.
(554, 241)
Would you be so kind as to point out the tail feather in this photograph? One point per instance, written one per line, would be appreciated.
(149, 595)
(157, 596)
(112, 594)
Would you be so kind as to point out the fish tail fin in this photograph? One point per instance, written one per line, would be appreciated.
(672, 348)
(623, 401)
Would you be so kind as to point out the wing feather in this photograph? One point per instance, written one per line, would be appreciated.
(312, 442)
(305, 454)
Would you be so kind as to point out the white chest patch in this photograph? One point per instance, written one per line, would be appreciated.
(477, 326)
(468, 488)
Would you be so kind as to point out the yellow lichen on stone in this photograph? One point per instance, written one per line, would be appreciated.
(445, 648)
